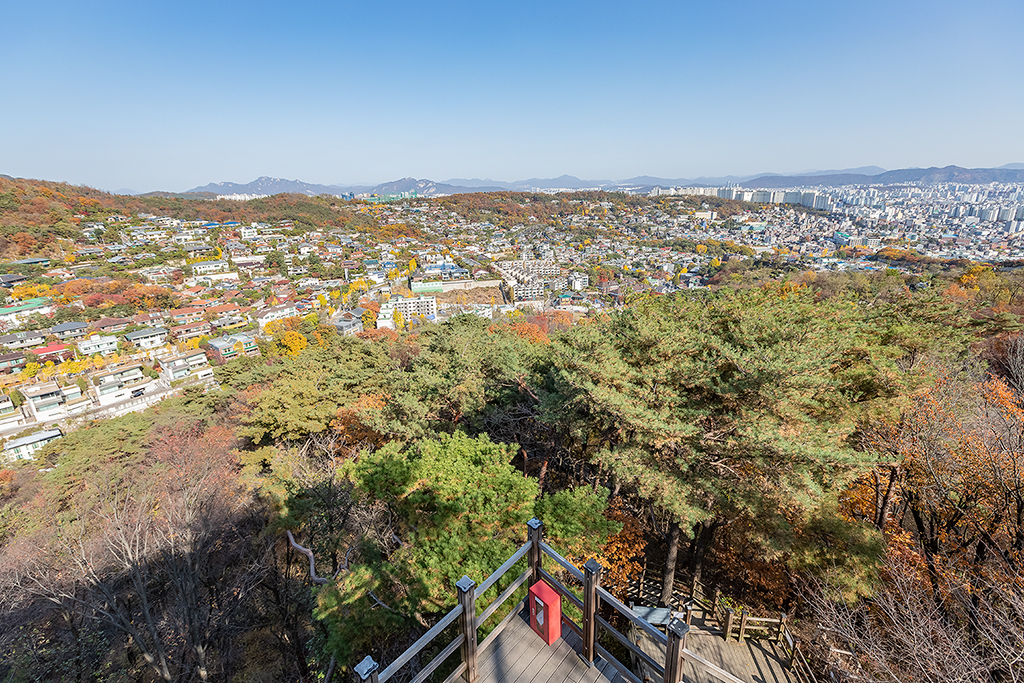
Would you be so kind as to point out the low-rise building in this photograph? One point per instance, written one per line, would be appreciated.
(70, 331)
(12, 362)
(108, 325)
(49, 401)
(273, 313)
(191, 364)
(348, 327)
(54, 352)
(24, 339)
(9, 413)
(26, 446)
(103, 345)
(209, 267)
(183, 316)
(235, 345)
(149, 338)
(191, 331)
(121, 384)
(16, 314)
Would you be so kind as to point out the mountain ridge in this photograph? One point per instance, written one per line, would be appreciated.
(267, 185)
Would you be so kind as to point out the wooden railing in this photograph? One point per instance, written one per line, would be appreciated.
(589, 605)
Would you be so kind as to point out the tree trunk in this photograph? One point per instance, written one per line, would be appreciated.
(668, 577)
(703, 537)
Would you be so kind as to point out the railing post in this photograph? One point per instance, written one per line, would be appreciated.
(689, 613)
(714, 602)
(467, 598)
(367, 670)
(591, 580)
(677, 632)
(727, 627)
(743, 624)
(536, 536)
(693, 587)
(782, 626)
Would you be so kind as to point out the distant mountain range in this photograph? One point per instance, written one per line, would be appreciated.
(864, 175)
(1011, 173)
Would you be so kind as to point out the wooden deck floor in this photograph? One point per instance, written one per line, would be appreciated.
(753, 661)
(518, 655)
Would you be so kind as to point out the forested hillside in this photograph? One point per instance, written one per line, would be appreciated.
(848, 450)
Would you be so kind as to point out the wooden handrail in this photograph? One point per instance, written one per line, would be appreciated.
(658, 667)
(632, 616)
(501, 625)
(500, 571)
(535, 548)
(500, 600)
(561, 589)
(438, 660)
(566, 564)
(422, 642)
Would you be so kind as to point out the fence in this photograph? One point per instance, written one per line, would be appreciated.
(594, 596)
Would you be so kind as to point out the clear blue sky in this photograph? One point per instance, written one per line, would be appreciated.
(169, 95)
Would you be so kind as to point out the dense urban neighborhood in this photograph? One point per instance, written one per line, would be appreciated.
(134, 306)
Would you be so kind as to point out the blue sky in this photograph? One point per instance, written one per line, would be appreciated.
(161, 95)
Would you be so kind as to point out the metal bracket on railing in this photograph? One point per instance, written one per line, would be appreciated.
(367, 669)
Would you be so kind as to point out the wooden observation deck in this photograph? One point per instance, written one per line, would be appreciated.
(689, 649)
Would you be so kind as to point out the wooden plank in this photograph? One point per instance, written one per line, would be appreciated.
(502, 625)
(527, 668)
(516, 641)
(602, 671)
(560, 671)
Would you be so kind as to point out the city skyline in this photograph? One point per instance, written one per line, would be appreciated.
(118, 95)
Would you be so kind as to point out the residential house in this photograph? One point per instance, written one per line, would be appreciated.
(228, 322)
(24, 339)
(12, 362)
(209, 267)
(348, 327)
(159, 274)
(48, 401)
(55, 352)
(273, 313)
(191, 364)
(233, 345)
(10, 415)
(191, 330)
(109, 325)
(182, 316)
(103, 345)
(122, 384)
(70, 331)
(149, 338)
(151, 319)
(26, 446)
